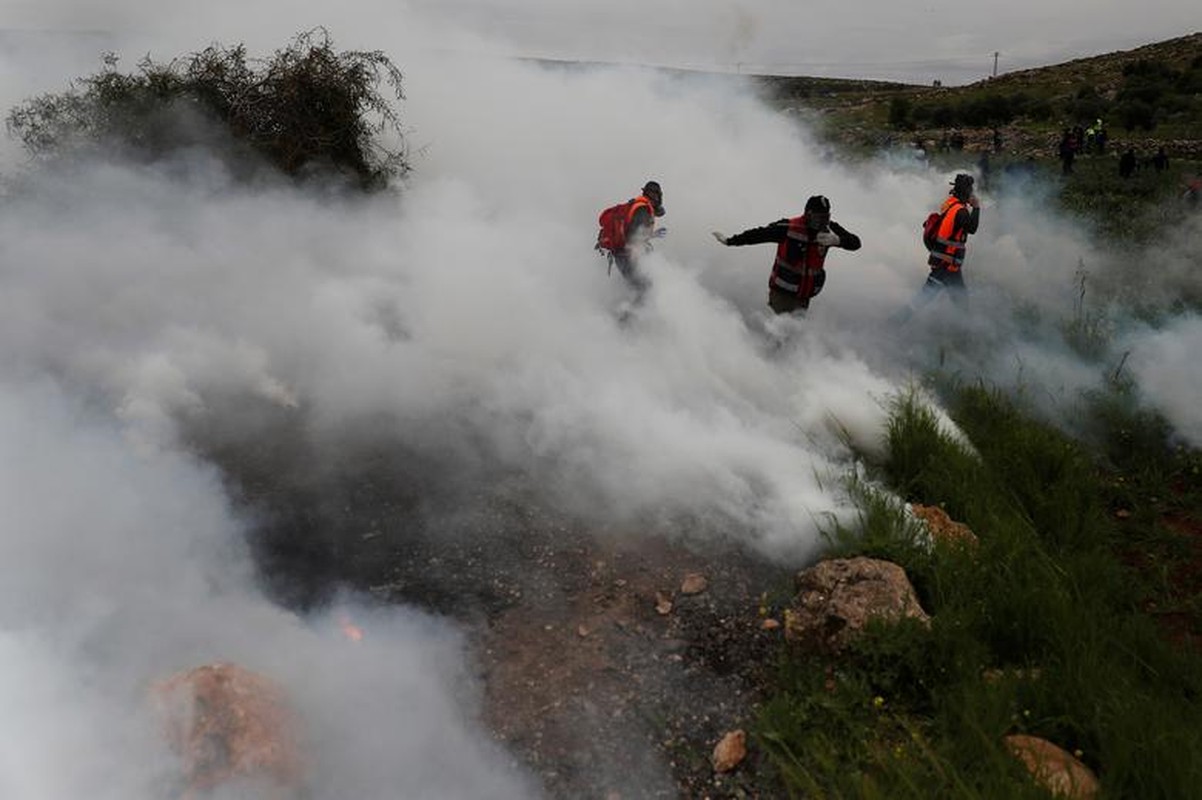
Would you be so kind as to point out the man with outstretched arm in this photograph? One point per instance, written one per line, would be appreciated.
(798, 272)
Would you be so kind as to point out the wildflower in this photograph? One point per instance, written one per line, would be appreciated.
(878, 702)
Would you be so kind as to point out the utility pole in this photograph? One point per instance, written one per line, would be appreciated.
(995, 55)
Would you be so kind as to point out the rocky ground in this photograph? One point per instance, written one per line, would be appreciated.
(613, 660)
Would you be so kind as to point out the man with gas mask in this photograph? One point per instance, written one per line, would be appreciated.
(945, 235)
(626, 231)
(798, 272)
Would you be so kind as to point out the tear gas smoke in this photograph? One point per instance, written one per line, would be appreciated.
(466, 317)
(122, 568)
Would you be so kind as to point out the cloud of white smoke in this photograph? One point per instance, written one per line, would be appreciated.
(122, 568)
(468, 315)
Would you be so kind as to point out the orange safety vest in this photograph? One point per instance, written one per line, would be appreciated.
(799, 262)
(949, 247)
(639, 202)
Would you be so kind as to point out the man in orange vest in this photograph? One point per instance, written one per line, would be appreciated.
(959, 216)
(639, 229)
(798, 272)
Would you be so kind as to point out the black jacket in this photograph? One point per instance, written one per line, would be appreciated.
(968, 218)
(779, 231)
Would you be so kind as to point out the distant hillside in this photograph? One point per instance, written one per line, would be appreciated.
(1103, 72)
(1147, 97)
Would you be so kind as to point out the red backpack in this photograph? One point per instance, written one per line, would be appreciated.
(612, 236)
(930, 229)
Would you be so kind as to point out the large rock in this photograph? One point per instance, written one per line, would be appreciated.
(836, 599)
(229, 725)
(1056, 770)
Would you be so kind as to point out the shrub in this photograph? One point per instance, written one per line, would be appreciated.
(1134, 114)
(1039, 111)
(992, 109)
(305, 107)
(899, 112)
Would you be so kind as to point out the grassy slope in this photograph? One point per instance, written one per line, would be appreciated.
(857, 115)
(1062, 588)
(1089, 572)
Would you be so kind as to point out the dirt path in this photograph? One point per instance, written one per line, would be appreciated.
(621, 688)
(602, 677)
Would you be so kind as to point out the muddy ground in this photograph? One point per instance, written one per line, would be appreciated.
(601, 676)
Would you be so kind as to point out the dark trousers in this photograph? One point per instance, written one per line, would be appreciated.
(939, 279)
(942, 278)
(782, 302)
(786, 303)
(628, 267)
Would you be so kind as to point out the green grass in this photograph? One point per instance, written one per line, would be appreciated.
(1135, 209)
(1087, 582)
(907, 713)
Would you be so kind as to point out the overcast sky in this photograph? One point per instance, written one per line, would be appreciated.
(909, 40)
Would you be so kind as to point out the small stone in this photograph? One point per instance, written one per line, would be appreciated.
(582, 631)
(730, 751)
(769, 625)
(663, 605)
(693, 583)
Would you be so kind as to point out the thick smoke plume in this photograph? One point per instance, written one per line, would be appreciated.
(151, 313)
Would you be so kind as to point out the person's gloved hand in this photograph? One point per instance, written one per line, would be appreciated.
(721, 238)
(827, 238)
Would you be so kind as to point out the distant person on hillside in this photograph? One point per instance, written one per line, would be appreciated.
(1067, 152)
(1100, 141)
(798, 271)
(1160, 161)
(958, 216)
(1127, 163)
(997, 140)
(984, 168)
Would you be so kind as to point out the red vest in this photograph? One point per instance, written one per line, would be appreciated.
(798, 263)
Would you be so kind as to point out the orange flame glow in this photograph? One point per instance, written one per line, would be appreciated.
(349, 629)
